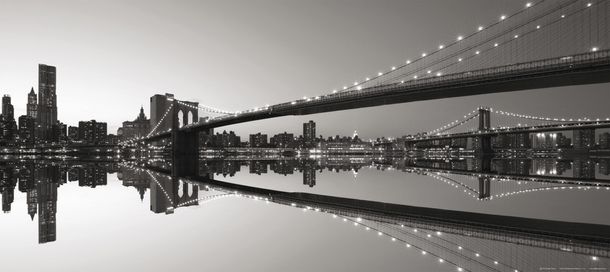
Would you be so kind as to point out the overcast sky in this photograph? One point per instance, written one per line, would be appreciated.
(111, 56)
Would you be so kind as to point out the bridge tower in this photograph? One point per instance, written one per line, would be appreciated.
(484, 141)
(185, 142)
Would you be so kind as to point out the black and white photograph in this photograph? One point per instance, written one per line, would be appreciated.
(305, 135)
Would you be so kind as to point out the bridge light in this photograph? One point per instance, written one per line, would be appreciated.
(529, 4)
(516, 36)
(408, 61)
(441, 47)
(496, 262)
(380, 74)
(415, 77)
(439, 74)
(355, 83)
(480, 28)
(367, 79)
(589, 4)
(478, 52)
(563, 16)
(594, 258)
(502, 17)
(334, 91)
(393, 68)
(423, 55)
(594, 49)
(345, 87)
(460, 59)
(459, 38)
(429, 72)
(496, 44)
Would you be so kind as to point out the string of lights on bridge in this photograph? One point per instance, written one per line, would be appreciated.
(460, 39)
(512, 38)
(427, 236)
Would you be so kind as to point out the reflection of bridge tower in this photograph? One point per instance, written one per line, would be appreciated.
(484, 188)
(166, 194)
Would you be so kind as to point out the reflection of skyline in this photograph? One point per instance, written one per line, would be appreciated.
(40, 180)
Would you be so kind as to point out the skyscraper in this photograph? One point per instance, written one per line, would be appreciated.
(309, 133)
(47, 99)
(8, 112)
(32, 106)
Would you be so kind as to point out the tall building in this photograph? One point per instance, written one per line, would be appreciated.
(32, 106)
(92, 132)
(136, 128)
(27, 129)
(584, 138)
(258, 140)
(309, 133)
(73, 133)
(282, 140)
(9, 126)
(47, 99)
(8, 112)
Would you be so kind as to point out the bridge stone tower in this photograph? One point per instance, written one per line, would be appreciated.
(181, 114)
(484, 141)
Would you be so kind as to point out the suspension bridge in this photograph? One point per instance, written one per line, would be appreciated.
(544, 44)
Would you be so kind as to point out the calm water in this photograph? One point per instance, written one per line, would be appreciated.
(104, 216)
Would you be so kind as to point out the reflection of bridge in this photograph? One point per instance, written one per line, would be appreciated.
(453, 237)
(511, 54)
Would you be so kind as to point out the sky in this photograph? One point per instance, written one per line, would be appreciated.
(111, 56)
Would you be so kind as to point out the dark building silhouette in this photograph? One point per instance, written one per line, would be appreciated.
(92, 132)
(309, 133)
(27, 129)
(32, 106)
(9, 126)
(604, 140)
(136, 128)
(584, 138)
(258, 140)
(47, 100)
(47, 210)
(282, 140)
(73, 133)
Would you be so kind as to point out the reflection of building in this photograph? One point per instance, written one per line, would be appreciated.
(47, 210)
(136, 128)
(91, 176)
(309, 173)
(258, 167)
(584, 169)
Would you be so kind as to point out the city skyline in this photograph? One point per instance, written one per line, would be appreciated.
(79, 81)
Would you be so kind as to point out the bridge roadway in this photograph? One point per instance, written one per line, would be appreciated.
(580, 238)
(587, 68)
(516, 130)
